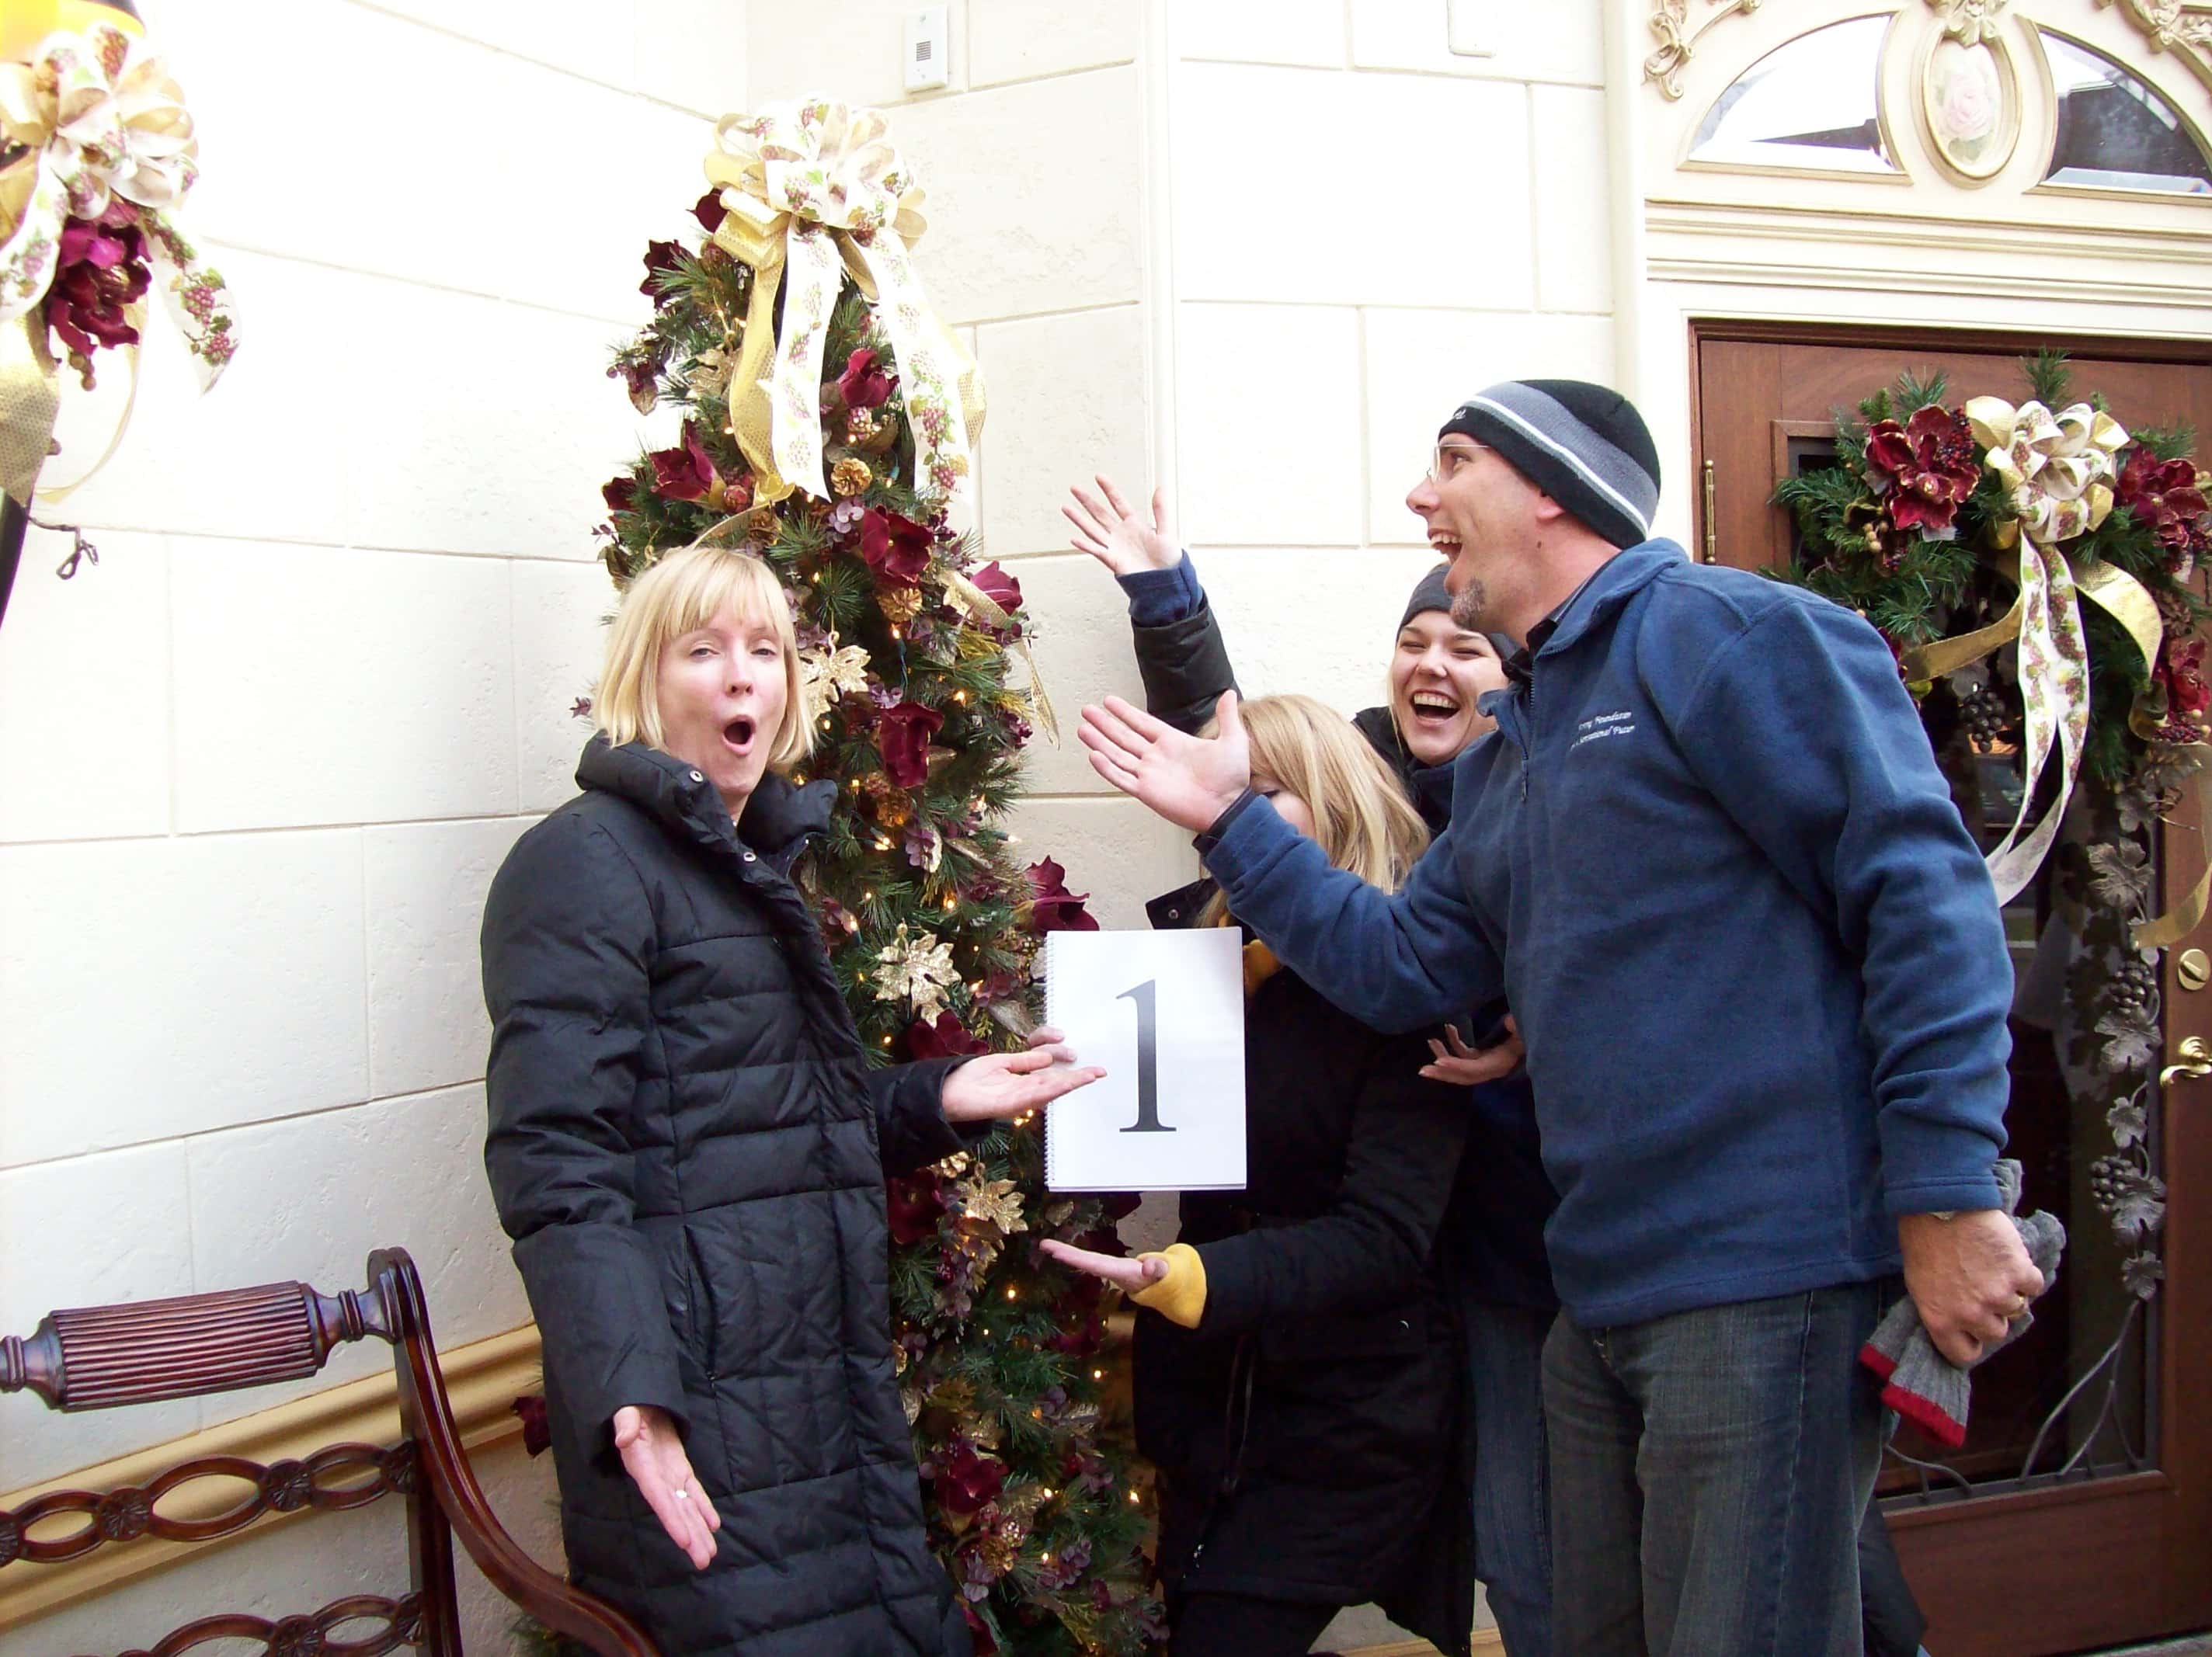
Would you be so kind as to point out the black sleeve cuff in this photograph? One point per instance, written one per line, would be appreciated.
(1206, 842)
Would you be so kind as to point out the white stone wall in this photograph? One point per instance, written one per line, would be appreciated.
(264, 756)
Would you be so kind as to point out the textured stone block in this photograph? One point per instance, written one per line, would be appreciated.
(1113, 848)
(271, 451)
(84, 1231)
(1067, 402)
(425, 885)
(380, 685)
(1082, 646)
(311, 1196)
(1036, 195)
(162, 987)
(84, 692)
(1559, 41)
(853, 48)
(1269, 424)
(560, 635)
(1309, 32)
(1017, 40)
(1421, 365)
(1318, 623)
(1440, 217)
(515, 464)
(1574, 233)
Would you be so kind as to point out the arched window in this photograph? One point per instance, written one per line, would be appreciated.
(1814, 102)
(2114, 132)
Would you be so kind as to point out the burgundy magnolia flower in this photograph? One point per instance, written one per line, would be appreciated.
(1923, 468)
(1055, 908)
(914, 1203)
(902, 734)
(537, 1436)
(660, 257)
(1000, 588)
(2181, 671)
(620, 493)
(967, 1480)
(709, 211)
(2165, 498)
(100, 269)
(862, 386)
(978, 1630)
(896, 548)
(948, 1038)
(683, 473)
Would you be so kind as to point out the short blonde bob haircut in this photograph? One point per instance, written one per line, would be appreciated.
(685, 591)
(1362, 819)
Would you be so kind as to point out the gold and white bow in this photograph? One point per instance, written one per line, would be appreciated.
(2057, 468)
(812, 191)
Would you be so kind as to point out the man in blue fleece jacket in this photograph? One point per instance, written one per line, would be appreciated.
(1758, 967)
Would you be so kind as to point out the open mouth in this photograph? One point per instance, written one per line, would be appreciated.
(738, 734)
(1432, 708)
(1443, 541)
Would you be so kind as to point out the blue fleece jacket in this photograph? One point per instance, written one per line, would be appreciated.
(1755, 957)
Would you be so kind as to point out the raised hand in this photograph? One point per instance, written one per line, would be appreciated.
(1464, 1066)
(1001, 1084)
(1130, 1274)
(1190, 781)
(652, 1455)
(1119, 536)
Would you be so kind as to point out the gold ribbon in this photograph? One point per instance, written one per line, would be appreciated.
(2056, 467)
(30, 401)
(981, 604)
(813, 193)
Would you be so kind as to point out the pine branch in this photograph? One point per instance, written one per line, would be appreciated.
(2049, 377)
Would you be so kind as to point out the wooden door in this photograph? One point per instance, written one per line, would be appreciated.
(2019, 1545)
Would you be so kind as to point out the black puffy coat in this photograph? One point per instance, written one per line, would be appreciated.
(689, 1148)
(1308, 1432)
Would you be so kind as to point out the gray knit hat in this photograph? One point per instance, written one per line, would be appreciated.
(1429, 593)
(1583, 445)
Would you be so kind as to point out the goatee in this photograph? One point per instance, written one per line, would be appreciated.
(1470, 607)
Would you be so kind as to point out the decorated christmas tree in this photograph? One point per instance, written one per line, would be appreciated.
(826, 416)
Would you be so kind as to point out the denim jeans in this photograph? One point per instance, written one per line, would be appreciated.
(1512, 1483)
(1708, 1471)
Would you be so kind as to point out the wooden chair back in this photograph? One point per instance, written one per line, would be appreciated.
(105, 1357)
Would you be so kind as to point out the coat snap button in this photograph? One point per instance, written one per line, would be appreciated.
(698, 776)
(749, 856)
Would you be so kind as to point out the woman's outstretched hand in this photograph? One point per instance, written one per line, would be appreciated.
(1189, 780)
(1015, 1084)
(1464, 1066)
(1130, 1273)
(1117, 535)
(653, 1454)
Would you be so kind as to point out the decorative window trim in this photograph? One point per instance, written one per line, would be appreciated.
(1687, 161)
(483, 1380)
(2045, 186)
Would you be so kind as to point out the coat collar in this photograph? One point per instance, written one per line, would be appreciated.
(1616, 580)
(779, 818)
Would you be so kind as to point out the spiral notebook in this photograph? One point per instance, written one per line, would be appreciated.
(1164, 1012)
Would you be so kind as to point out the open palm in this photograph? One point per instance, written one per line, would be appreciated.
(1117, 535)
(1190, 781)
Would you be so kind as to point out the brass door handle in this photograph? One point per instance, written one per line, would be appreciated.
(2195, 1060)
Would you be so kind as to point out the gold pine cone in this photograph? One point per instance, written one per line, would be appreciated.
(887, 802)
(899, 604)
(850, 476)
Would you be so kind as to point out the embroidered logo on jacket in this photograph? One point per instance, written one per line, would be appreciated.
(1622, 724)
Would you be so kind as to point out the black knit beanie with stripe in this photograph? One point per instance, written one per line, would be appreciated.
(1583, 445)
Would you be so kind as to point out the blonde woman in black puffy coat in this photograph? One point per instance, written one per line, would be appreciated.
(687, 1147)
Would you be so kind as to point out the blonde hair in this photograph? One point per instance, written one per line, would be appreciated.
(684, 591)
(1362, 819)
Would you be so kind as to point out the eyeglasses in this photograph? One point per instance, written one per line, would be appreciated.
(1446, 462)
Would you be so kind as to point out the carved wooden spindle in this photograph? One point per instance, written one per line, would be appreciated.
(103, 1356)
